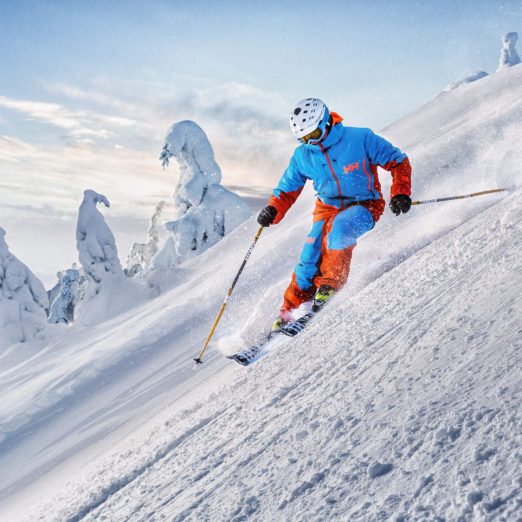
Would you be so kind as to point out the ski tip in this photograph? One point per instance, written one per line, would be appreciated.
(239, 360)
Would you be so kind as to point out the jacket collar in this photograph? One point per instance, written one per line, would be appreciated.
(334, 135)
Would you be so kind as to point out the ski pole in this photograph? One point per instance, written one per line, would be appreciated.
(438, 200)
(199, 358)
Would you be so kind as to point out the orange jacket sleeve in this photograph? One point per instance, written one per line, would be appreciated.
(283, 202)
(401, 177)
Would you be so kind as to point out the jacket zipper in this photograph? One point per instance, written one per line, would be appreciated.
(323, 150)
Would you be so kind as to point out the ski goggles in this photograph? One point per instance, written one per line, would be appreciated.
(313, 136)
(319, 134)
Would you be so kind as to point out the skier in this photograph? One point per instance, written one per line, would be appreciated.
(342, 163)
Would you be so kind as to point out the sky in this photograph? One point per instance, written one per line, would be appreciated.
(89, 89)
(114, 75)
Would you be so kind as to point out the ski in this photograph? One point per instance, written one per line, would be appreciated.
(297, 326)
(256, 352)
(247, 357)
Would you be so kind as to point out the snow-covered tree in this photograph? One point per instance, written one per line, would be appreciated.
(23, 299)
(95, 241)
(206, 211)
(55, 290)
(142, 253)
(108, 292)
(62, 307)
(508, 53)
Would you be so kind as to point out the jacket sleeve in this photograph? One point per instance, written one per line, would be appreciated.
(382, 153)
(287, 191)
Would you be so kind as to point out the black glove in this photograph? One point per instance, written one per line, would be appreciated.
(266, 216)
(400, 203)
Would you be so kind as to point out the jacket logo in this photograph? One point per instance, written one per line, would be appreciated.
(351, 167)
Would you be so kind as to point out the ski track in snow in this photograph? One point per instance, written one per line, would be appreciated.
(381, 398)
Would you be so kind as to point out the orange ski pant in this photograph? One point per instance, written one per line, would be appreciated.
(327, 252)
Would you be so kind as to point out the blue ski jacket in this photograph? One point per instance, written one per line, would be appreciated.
(343, 169)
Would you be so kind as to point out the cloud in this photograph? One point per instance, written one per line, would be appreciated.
(114, 129)
(228, 105)
(12, 150)
(37, 176)
(75, 93)
(14, 145)
(247, 126)
(237, 103)
(118, 121)
(78, 124)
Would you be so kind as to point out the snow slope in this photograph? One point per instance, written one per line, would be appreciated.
(416, 375)
(409, 410)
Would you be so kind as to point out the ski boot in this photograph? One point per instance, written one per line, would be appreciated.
(281, 321)
(323, 294)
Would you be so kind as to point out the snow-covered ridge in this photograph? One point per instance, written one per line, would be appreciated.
(105, 381)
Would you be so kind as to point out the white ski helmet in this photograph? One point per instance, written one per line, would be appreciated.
(308, 115)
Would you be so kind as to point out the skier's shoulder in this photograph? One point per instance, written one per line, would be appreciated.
(363, 135)
(298, 160)
(357, 132)
(301, 154)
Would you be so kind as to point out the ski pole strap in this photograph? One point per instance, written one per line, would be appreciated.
(438, 200)
(199, 358)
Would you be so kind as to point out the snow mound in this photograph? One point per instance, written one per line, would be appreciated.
(207, 211)
(468, 79)
(23, 300)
